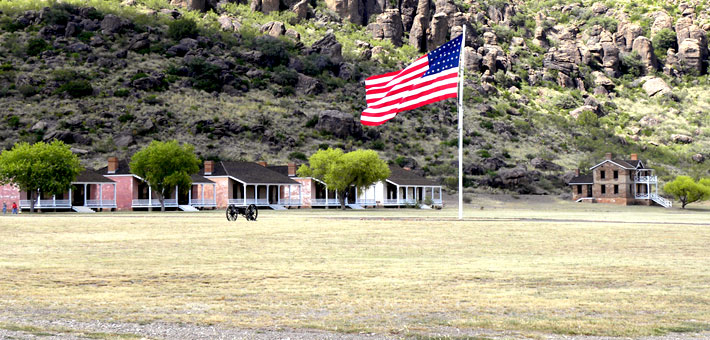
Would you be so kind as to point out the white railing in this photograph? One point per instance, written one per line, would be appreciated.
(25, 204)
(142, 203)
(661, 201)
(240, 201)
(289, 201)
(366, 202)
(411, 201)
(318, 202)
(646, 179)
(100, 203)
(642, 196)
(203, 202)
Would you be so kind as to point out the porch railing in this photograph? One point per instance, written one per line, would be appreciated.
(195, 202)
(289, 201)
(240, 201)
(25, 204)
(646, 179)
(143, 203)
(100, 203)
(366, 202)
(321, 202)
(410, 201)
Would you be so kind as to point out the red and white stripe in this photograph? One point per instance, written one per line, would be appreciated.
(394, 92)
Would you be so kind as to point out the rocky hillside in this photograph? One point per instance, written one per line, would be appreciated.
(550, 85)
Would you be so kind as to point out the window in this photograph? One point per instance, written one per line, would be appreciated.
(616, 188)
(603, 188)
(579, 190)
(616, 174)
(602, 174)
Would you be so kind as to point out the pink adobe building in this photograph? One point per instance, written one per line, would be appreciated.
(134, 193)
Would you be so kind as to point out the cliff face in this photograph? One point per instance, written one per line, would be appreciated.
(550, 86)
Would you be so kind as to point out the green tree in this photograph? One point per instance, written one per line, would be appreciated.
(165, 165)
(687, 191)
(41, 167)
(664, 40)
(340, 171)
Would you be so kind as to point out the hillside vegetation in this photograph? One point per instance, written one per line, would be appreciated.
(550, 85)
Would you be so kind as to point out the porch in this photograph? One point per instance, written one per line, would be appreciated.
(398, 195)
(265, 194)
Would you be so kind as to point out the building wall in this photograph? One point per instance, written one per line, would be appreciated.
(9, 194)
(576, 196)
(125, 193)
(625, 194)
(308, 189)
(223, 192)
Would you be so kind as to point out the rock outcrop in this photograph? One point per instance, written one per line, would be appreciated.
(388, 26)
(644, 48)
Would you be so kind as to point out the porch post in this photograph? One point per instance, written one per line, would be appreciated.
(203, 194)
(54, 201)
(114, 196)
(70, 198)
(326, 197)
(245, 193)
(397, 194)
(278, 196)
(150, 197)
(101, 195)
(256, 194)
(189, 196)
(267, 194)
(84, 194)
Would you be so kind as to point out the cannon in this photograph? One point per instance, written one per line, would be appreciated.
(250, 212)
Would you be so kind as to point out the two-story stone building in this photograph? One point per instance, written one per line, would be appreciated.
(618, 181)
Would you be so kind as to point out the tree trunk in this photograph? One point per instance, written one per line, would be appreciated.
(683, 203)
(33, 195)
(341, 197)
(161, 198)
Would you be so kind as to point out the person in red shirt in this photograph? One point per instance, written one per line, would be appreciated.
(14, 208)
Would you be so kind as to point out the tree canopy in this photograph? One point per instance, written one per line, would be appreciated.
(340, 171)
(47, 167)
(687, 191)
(165, 165)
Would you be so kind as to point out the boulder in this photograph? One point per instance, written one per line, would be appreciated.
(599, 8)
(351, 10)
(576, 112)
(340, 124)
(274, 28)
(78, 47)
(655, 86)
(112, 24)
(698, 158)
(328, 46)
(309, 85)
(293, 34)
(649, 121)
(610, 59)
(420, 24)
(303, 10)
(39, 126)
(681, 139)
(543, 164)
(644, 48)
(493, 164)
(388, 26)
(661, 20)
(439, 30)
(228, 23)
(266, 6)
(147, 83)
(600, 79)
(691, 56)
(123, 141)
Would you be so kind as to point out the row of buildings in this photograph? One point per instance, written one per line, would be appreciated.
(219, 184)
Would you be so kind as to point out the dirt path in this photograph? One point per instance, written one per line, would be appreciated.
(12, 327)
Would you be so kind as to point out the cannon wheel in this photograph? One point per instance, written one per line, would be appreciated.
(252, 212)
(232, 213)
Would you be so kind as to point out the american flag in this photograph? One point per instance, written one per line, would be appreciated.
(429, 79)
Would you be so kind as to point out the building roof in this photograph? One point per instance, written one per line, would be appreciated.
(199, 179)
(582, 179)
(123, 169)
(282, 169)
(623, 163)
(91, 176)
(248, 172)
(401, 176)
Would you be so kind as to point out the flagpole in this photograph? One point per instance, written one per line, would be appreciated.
(460, 109)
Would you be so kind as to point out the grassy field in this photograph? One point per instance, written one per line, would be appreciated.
(520, 265)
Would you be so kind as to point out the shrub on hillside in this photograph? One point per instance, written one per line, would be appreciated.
(275, 51)
(28, 90)
(608, 23)
(77, 88)
(36, 46)
(205, 76)
(285, 76)
(664, 40)
(182, 28)
(631, 64)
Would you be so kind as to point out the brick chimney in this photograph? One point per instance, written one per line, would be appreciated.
(262, 163)
(209, 167)
(634, 157)
(576, 172)
(608, 156)
(112, 165)
(291, 169)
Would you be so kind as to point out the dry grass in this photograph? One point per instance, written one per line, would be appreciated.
(347, 272)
